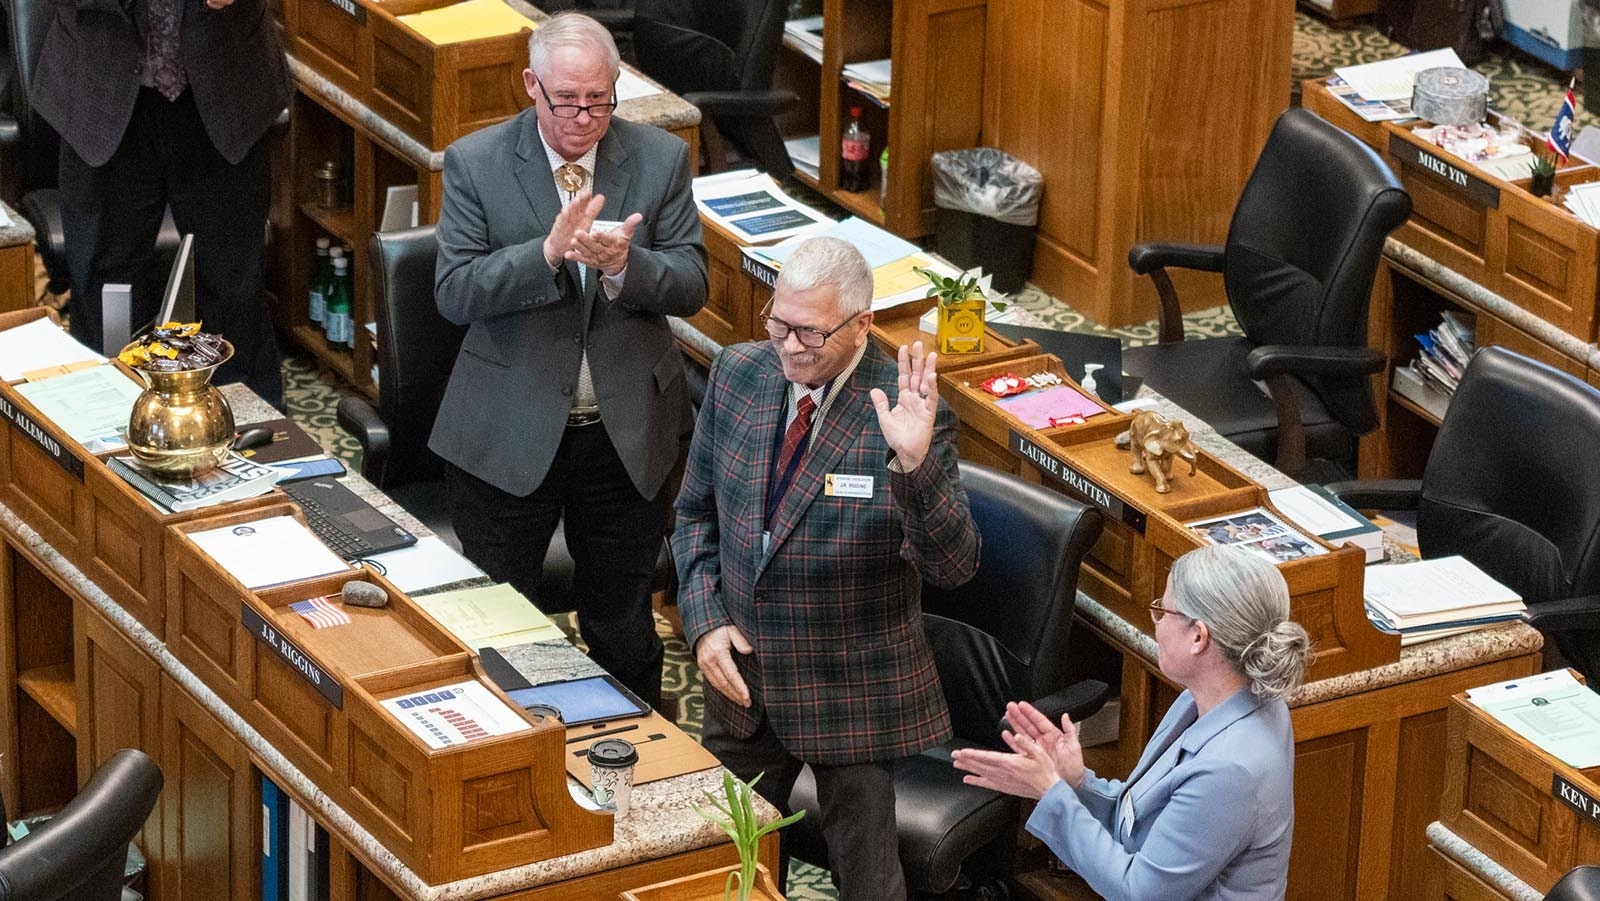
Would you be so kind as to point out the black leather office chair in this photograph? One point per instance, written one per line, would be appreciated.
(35, 145)
(1298, 265)
(417, 350)
(79, 854)
(719, 55)
(1579, 884)
(1507, 486)
(1001, 637)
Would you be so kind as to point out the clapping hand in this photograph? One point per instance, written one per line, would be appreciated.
(572, 236)
(1041, 756)
(908, 425)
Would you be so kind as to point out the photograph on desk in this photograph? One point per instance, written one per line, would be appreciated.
(1260, 532)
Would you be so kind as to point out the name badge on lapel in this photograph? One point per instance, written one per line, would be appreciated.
(839, 485)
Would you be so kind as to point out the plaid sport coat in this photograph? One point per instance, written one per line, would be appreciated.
(841, 666)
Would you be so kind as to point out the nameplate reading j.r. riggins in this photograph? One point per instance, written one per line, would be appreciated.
(1459, 178)
(1587, 806)
(52, 447)
(1077, 484)
(268, 635)
(352, 9)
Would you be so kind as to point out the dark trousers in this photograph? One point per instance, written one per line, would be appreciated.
(857, 802)
(111, 215)
(613, 533)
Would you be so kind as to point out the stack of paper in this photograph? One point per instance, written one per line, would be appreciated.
(91, 405)
(893, 259)
(496, 616)
(1552, 710)
(1584, 202)
(455, 714)
(805, 36)
(269, 551)
(468, 20)
(751, 206)
(1434, 598)
(806, 154)
(39, 344)
(1320, 513)
(871, 78)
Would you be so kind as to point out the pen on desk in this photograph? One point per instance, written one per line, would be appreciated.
(603, 733)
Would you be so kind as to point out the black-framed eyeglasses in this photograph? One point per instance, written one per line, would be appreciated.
(810, 337)
(571, 110)
(1157, 612)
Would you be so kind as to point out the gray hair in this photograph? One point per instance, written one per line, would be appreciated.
(570, 29)
(1244, 602)
(824, 261)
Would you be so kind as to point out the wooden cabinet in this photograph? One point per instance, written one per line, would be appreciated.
(936, 51)
(208, 804)
(1145, 118)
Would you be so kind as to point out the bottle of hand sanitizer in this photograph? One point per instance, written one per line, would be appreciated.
(1089, 369)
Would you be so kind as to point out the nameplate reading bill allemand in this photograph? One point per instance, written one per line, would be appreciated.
(1078, 485)
(268, 635)
(1587, 806)
(52, 447)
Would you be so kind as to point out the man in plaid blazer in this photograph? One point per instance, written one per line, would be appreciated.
(801, 572)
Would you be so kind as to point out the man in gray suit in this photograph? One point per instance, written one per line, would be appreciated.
(167, 103)
(568, 400)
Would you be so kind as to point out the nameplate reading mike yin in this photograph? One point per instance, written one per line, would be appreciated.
(1078, 485)
(53, 447)
(268, 634)
(1459, 178)
(1587, 806)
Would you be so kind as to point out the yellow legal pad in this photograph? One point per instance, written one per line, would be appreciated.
(468, 20)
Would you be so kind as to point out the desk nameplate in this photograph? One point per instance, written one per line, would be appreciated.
(53, 447)
(1587, 805)
(291, 654)
(1077, 485)
(1460, 178)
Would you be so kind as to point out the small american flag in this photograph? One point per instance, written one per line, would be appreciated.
(321, 613)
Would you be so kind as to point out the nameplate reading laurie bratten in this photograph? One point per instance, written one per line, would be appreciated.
(1587, 806)
(1459, 178)
(291, 654)
(53, 448)
(1078, 485)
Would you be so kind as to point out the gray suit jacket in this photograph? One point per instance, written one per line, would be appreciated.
(93, 55)
(506, 406)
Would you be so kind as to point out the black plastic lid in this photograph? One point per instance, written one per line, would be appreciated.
(613, 753)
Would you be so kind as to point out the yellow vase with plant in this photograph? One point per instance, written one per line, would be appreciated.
(961, 311)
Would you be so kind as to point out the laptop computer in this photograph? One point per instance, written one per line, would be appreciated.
(348, 525)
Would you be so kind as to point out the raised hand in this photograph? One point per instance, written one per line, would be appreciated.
(908, 425)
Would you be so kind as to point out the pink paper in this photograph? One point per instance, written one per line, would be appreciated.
(1038, 408)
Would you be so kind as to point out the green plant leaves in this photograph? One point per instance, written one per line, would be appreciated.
(735, 814)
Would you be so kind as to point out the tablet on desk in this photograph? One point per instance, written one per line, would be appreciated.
(588, 700)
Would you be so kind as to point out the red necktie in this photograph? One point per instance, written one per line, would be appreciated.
(794, 440)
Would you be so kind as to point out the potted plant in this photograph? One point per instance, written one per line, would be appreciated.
(735, 812)
(1544, 174)
(961, 308)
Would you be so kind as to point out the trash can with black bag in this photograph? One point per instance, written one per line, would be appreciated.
(988, 212)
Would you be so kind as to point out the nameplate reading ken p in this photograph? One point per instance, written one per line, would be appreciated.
(52, 447)
(1587, 806)
(268, 635)
(1077, 484)
(1459, 178)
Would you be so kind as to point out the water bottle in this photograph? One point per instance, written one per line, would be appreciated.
(320, 270)
(336, 317)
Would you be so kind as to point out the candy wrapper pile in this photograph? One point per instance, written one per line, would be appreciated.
(175, 347)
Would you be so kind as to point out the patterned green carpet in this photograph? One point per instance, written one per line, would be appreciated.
(1522, 87)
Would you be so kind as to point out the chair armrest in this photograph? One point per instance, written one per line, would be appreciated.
(1269, 360)
(1080, 700)
(743, 104)
(10, 131)
(1378, 494)
(357, 417)
(1566, 615)
(1152, 259)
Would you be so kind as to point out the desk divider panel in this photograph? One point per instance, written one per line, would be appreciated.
(451, 813)
(1145, 531)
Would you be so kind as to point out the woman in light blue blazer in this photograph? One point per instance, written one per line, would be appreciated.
(1209, 810)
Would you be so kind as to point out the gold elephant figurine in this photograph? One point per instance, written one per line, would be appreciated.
(1153, 442)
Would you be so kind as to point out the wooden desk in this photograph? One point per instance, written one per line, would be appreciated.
(81, 676)
(1499, 802)
(16, 262)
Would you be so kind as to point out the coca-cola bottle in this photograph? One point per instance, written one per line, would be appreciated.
(854, 174)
